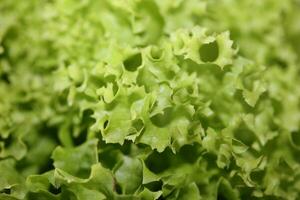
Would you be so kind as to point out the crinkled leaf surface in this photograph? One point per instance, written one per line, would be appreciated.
(149, 99)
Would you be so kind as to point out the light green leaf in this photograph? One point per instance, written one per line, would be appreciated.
(67, 158)
(129, 175)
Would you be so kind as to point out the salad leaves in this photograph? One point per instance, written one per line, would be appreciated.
(149, 99)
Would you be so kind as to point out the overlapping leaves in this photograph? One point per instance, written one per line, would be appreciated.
(149, 99)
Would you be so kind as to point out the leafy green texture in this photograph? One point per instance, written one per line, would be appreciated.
(149, 99)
